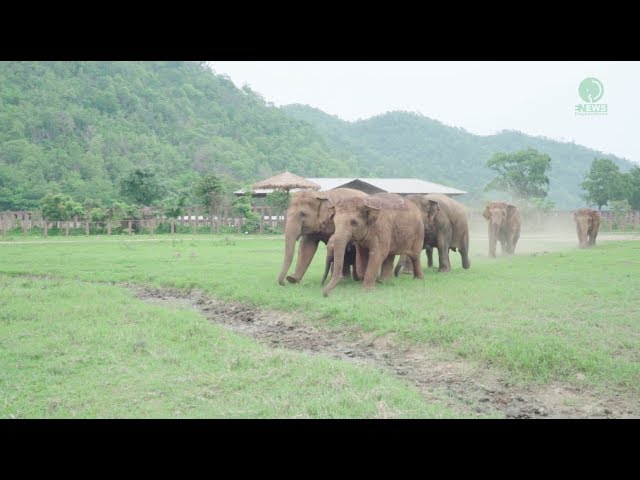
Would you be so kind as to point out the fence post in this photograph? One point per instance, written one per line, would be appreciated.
(196, 221)
(109, 228)
(152, 225)
(75, 221)
(219, 220)
(66, 229)
(86, 227)
(4, 229)
(212, 221)
(45, 227)
(261, 210)
(25, 219)
(129, 227)
(173, 227)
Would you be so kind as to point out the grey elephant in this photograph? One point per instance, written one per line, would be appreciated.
(587, 225)
(504, 226)
(309, 219)
(446, 227)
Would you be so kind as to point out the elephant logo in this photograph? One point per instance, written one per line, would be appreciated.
(591, 90)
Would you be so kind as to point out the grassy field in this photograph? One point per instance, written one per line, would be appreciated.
(73, 344)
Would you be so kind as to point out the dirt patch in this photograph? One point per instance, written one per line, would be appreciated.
(464, 387)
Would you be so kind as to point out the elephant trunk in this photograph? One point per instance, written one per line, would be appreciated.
(291, 236)
(327, 266)
(339, 248)
(495, 227)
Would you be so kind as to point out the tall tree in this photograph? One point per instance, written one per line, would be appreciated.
(603, 183)
(209, 191)
(633, 177)
(522, 174)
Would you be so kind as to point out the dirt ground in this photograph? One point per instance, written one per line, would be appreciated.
(466, 388)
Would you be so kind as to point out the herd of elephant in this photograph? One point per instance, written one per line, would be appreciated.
(365, 232)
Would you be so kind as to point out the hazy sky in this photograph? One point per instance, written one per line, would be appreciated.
(537, 98)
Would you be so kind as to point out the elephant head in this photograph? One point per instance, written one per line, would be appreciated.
(308, 212)
(499, 215)
(352, 218)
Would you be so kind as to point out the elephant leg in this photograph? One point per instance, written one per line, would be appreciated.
(354, 273)
(417, 267)
(346, 269)
(362, 259)
(592, 239)
(464, 252)
(373, 267)
(514, 241)
(399, 266)
(387, 268)
(306, 251)
(443, 256)
(407, 265)
(429, 250)
(492, 245)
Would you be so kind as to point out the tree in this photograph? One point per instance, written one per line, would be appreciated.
(603, 183)
(142, 186)
(209, 191)
(278, 199)
(243, 205)
(174, 205)
(522, 174)
(633, 177)
(57, 207)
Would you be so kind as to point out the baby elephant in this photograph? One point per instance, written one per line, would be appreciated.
(587, 225)
(349, 264)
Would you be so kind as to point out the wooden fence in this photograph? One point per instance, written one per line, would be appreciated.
(270, 219)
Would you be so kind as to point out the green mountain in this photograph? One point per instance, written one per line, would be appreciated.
(79, 127)
(403, 144)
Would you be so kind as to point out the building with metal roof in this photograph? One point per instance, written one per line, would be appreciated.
(401, 186)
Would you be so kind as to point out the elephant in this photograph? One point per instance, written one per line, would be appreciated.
(349, 260)
(504, 226)
(308, 219)
(445, 227)
(587, 225)
(382, 225)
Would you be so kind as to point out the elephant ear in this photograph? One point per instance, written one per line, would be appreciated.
(432, 210)
(332, 210)
(511, 211)
(371, 214)
(486, 214)
(322, 198)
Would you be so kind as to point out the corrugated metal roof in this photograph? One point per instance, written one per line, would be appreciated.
(391, 185)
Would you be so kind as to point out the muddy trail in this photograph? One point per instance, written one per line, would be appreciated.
(466, 388)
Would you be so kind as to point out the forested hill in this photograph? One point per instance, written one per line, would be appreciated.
(79, 127)
(403, 144)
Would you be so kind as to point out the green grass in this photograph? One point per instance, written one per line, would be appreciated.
(71, 349)
(571, 315)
